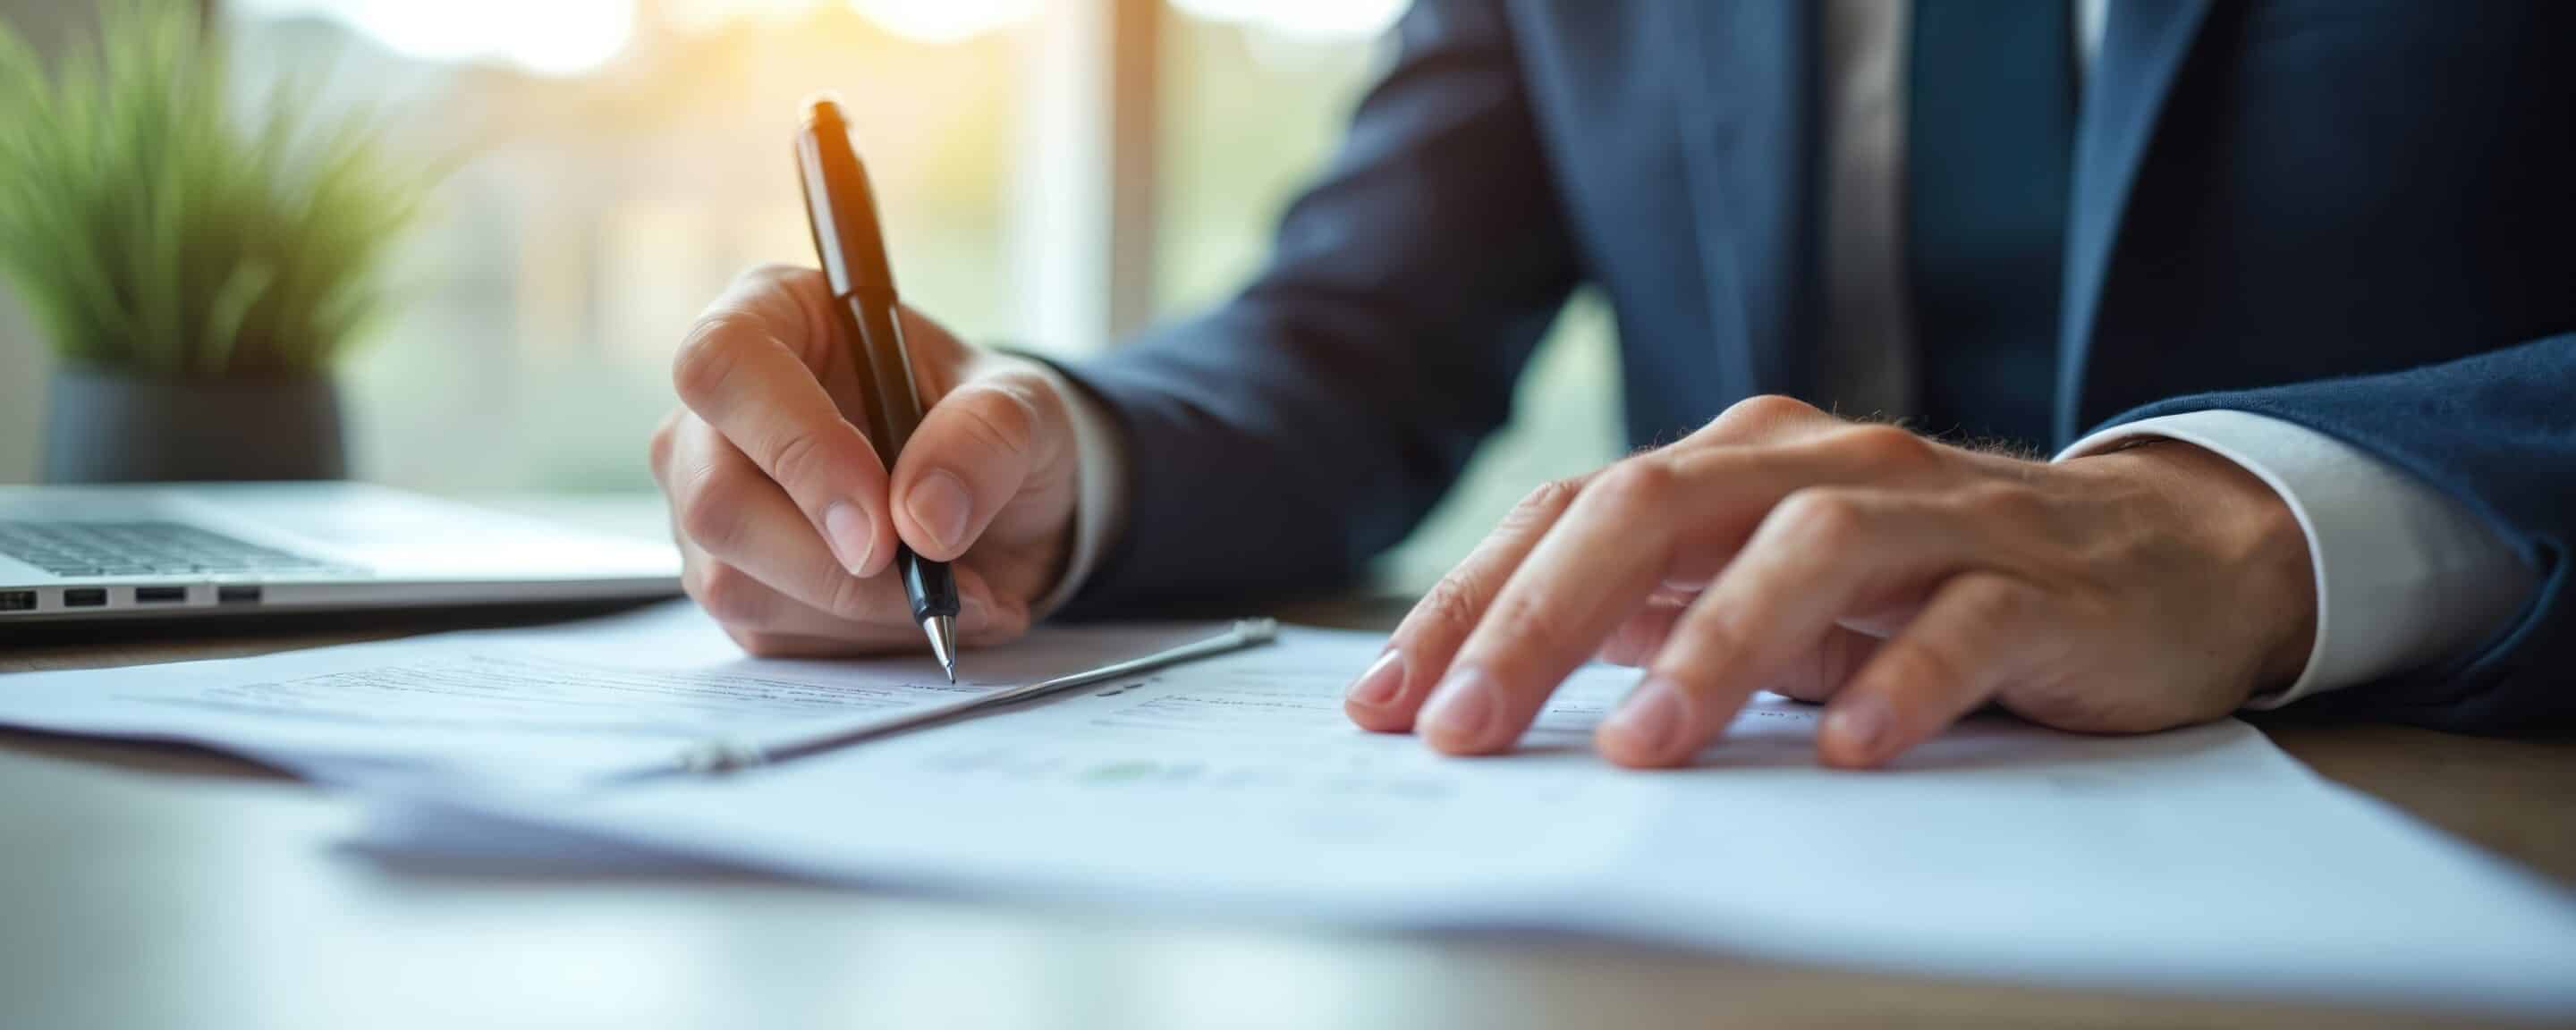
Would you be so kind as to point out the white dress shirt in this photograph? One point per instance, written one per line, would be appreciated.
(2404, 574)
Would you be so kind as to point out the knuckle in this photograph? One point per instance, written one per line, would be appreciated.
(1529, 624)
(1764, 411)
(1001, 416)
(657, 451)
(1036, 396)
(797, 456)
(1881, 446)
(709, 354)
(1993, 601)
(1641, 484)
(787, 296)
(1822, 517)
(731, 596)
(1544, 504)
(1451, 606)
(709, 515)
(1713, 633)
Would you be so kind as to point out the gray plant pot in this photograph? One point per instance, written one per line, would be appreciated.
(109, 428)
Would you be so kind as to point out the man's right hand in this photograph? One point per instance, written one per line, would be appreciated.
(786, 520)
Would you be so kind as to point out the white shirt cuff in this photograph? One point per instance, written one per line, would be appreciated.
(1100, 492)
(2405, 575)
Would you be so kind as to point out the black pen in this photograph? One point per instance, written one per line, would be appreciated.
(843, 212)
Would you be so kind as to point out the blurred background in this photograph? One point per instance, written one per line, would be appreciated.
(1056, 174)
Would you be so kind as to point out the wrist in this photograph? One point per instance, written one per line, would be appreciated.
(2249, 533)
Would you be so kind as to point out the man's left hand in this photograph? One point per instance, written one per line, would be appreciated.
(1901, 582)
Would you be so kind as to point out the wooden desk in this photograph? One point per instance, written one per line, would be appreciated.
(161, 887)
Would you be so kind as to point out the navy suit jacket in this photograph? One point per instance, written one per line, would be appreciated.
(2357, 217)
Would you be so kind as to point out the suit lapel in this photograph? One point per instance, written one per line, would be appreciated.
(2142, 48)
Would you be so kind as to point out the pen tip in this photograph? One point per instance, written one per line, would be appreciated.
(942, 631)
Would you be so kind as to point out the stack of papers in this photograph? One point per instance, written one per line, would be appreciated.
(530, 707)
(2202, 860)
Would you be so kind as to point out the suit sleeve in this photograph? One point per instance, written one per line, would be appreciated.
(2496, 433)
(1276, 443)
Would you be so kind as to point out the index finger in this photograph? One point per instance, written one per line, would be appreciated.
(1681, 513)
(1587, 574)
(753, 368)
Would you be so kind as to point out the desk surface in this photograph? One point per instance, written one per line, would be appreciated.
(163, 887)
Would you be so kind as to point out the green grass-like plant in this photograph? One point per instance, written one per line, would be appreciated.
(151, 233)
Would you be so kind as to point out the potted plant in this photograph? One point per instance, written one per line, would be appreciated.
(197, 273)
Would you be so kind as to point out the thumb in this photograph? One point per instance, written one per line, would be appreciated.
(973, 453)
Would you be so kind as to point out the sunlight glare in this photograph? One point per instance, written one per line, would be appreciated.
(1310, 19)
(554, 37)
(944, 21)
(575, 37)
(702, 16)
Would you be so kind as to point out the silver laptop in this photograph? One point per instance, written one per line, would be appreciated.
(70, 553)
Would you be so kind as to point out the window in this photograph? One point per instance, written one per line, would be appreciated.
(622, 163)
(619, 161)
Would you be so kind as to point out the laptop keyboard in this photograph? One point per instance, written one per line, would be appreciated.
(143, 549)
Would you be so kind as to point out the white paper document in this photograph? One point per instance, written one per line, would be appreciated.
(2203, 860)
(531, 706)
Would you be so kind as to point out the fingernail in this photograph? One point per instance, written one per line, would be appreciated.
(1650, 721)
(851, 540)
(1861, 723)
(1378, 687)
(938, 504)
(1462, 711)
